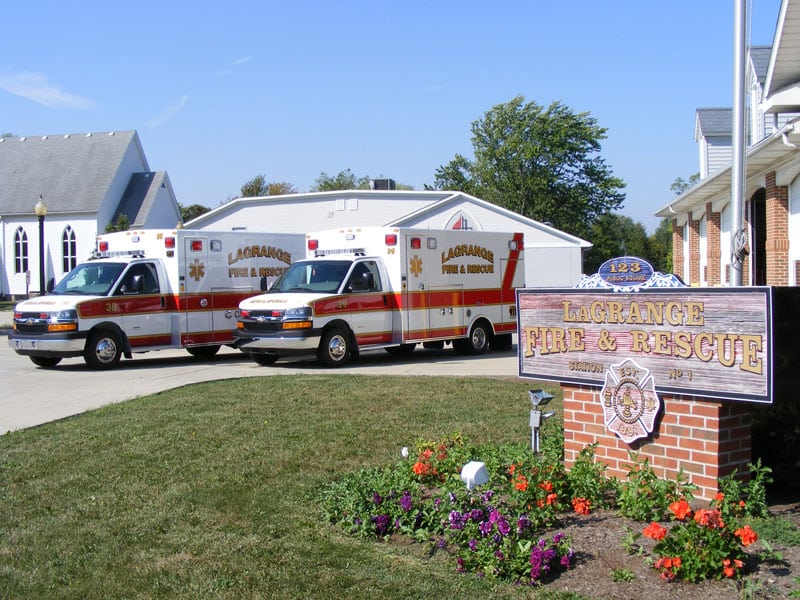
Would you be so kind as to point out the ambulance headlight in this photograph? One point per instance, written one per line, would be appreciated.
(297, 318)
(302, 312)
(63, 320)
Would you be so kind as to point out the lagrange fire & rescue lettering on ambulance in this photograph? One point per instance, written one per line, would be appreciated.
(249, 252)
(468, 251)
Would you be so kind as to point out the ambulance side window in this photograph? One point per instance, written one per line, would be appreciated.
(141, 278)
(365, 278)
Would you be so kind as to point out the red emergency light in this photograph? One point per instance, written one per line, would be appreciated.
(169, 242)
(102, 246)
(390, 239)
(416, 243)
(313, 244)
(197, 245)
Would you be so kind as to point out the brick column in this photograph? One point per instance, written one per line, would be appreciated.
(714, 258)
(705, 439)
(677, 250)
(777, 243)
(694, 251)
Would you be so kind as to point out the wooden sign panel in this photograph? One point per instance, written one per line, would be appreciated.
(714, 342)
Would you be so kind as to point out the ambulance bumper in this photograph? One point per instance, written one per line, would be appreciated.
(46, 345)
(278, 343)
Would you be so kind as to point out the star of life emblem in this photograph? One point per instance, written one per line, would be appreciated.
(630, 402)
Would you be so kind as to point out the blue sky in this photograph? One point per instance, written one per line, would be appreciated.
(223, 91)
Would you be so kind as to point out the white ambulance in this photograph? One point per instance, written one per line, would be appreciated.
(151, 290)
(388, 288)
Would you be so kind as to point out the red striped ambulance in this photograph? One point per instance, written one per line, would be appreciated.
(151, 290)
(391, 288)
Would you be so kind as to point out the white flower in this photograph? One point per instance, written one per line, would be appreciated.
(404, 452)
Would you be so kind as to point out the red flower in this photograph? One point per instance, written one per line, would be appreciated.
(581, 505)
(551, 499)
(655, 531)
(729, 568)
(547, 486)
(709, 518)
(521, 483)
(719, 497)
(680, 509)
(746, 535)
(669, 566)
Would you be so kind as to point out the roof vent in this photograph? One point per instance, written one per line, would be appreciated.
(383, 184)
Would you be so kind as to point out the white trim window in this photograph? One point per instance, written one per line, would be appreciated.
(69, 250)
(20, 251)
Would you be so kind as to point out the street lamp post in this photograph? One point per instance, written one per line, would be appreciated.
(41, 211)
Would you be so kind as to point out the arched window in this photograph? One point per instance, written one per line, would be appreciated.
(20, 251)
(69, 250)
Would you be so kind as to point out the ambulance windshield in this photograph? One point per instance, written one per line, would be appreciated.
(322, 276)
(90, 279)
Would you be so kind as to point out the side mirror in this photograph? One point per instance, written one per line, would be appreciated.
(262, 284)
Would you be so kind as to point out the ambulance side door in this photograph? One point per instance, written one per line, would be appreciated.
(196, 299)
(141, 300)
(368, 304)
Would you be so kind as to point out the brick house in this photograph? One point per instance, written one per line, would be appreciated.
(701, 217)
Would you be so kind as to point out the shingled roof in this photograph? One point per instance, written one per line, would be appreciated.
(73, 172)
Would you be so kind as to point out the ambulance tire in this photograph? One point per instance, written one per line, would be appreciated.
(263, 358)
(46, 362)
(103, 349)
(476, 343)
(401, 350)
(502, 342)
(203, 352)
(335, 348)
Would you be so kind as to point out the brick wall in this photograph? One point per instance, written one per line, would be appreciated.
(677, 250)
(714, 258)
(706, 439)
(694, 251)
(777, 243)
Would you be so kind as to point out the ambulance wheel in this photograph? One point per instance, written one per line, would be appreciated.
(476, 343)
(502, 342)
(46, 362)
(334, 349)
(103, 350)
(401, 350)
(203, 351)
(263, 358)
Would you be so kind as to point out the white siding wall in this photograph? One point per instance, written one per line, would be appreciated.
(719, 153)
(85, 233)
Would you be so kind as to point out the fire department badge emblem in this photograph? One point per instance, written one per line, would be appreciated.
(630, 402)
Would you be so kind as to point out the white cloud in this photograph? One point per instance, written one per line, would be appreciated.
(243, 59)
(169, 112)
(37, 87)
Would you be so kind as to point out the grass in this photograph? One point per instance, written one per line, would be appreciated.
(210, 491)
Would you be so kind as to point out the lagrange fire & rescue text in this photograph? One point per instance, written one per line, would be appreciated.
(258, 252)
(726, 348)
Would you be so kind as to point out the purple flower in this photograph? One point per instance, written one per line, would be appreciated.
(457, 520)
(485, 528)
(523, 523)
(442, 543)
(406, 502)
(503, 527)
(476, 514)
(558, 537)
(473, 544)
(452, 498)
(460, 565)
(381, 524)
(377, 499)
(437, 502)
(487, 496)
(499, 555)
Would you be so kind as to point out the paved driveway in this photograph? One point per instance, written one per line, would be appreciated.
(31, 396)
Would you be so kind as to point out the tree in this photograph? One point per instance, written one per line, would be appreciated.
(680, 184)
(661, 247)
(615, 235)
(279, 188)
(192, 211)
(123, 223)
(540, 162)
(257, 186)
(345, 180)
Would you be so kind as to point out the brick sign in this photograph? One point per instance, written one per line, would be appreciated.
(714, 342)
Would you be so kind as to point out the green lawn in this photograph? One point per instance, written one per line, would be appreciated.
(209, 491)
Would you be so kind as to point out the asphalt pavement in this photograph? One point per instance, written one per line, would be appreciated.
(30, 395)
